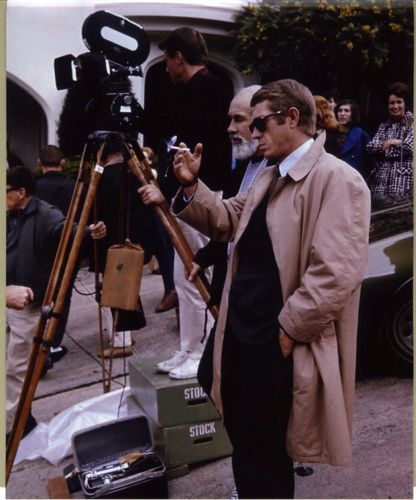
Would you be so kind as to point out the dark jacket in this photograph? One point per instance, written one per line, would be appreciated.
(354, 150)
(199, 114)
(55, 188)
(32, 237)
(331, 142)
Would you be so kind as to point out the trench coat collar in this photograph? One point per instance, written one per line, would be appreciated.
(300, 170)
(308, 160)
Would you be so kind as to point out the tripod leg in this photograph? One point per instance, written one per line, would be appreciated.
(101, 342)
(111, 345)
(99, 308)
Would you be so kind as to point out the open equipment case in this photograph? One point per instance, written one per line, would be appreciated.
(116, 460)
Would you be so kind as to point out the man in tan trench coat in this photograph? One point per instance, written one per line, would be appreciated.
(290, 301)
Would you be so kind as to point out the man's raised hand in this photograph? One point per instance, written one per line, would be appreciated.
(186, 164)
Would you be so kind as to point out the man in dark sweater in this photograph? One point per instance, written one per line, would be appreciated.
(199, 108)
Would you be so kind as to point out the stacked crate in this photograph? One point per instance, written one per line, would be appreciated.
(186, 426)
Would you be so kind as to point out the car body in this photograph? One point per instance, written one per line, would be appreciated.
(385, 331)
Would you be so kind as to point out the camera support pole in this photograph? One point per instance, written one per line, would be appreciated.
(50, 312)
(139, 166)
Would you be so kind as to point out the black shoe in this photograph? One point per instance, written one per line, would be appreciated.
(57, 353)
(30, 424)
(47, 366)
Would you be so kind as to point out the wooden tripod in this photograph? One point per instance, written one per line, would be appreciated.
(51, 310)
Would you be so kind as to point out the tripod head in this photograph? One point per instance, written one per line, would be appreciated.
(114, 142)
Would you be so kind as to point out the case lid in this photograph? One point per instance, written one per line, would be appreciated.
(104, 443)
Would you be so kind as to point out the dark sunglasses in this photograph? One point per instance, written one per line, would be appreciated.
(260, 123)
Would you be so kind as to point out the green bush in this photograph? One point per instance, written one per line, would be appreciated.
(325, 43)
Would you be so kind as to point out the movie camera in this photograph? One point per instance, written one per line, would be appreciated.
(117, 48)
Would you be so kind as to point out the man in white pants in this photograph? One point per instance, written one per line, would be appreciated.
(204, 100)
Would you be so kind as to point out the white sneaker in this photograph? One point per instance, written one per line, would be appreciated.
(234, 494)
(188, 369)
(178, 358)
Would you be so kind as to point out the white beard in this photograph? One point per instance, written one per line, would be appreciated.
(246, 149)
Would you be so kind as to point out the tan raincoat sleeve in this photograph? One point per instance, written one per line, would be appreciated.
(211, 215)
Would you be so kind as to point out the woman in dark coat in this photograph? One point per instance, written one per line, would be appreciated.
(351, 140)
(392, 150)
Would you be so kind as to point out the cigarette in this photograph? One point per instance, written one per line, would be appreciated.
(176, 148)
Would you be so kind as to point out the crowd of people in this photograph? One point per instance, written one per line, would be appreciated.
(268, 189)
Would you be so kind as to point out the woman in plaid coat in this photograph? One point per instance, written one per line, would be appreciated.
(392, 150)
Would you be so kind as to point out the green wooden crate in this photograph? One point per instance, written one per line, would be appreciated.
(191, 443)
(185, 444)
(168, 402)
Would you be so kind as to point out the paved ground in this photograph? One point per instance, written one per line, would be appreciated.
(382, 439)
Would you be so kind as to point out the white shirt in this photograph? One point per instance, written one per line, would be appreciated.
(294, 157)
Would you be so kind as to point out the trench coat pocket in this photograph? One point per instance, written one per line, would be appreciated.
(306, 381)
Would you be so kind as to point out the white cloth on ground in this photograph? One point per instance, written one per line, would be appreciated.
(52, 440)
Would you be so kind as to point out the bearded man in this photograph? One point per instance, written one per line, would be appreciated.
(248, 166)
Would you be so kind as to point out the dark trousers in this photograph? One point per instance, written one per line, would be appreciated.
(257, 394)
(63, 320)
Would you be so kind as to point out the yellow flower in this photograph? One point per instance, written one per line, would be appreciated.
(395, 27)
(349, 45)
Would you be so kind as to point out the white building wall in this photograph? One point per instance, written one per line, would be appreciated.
(35, 37)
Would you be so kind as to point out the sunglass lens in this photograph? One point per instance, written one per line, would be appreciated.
(258, 124)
